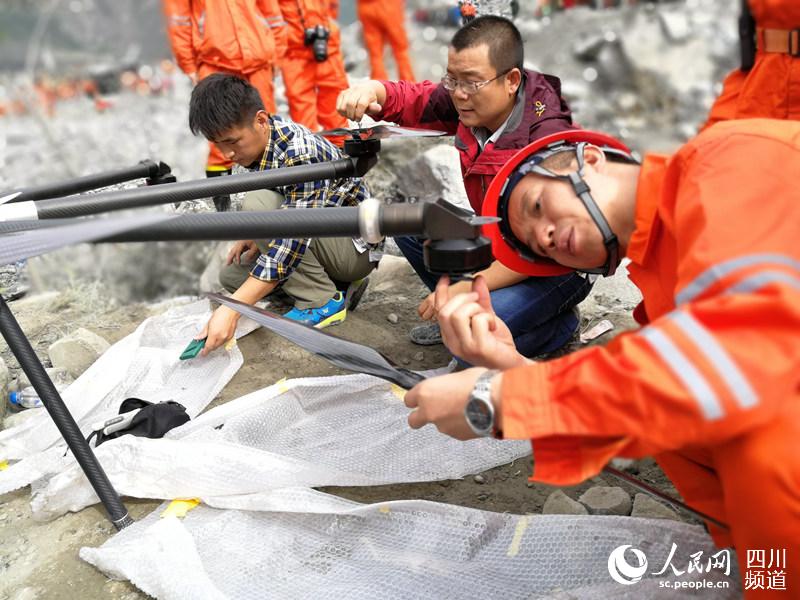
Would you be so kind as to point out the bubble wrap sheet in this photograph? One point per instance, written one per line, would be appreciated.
(305, 544)
(344, 430)
(145, 365)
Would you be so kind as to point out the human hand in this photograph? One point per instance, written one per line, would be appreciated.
(471, 330)
(361, 99)
(441, 401)
(242, 251)
(220, 328)
(193, 78)
(427, 308)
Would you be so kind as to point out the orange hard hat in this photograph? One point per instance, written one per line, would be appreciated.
(506, 247)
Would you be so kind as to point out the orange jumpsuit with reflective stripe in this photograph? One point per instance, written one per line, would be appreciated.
(241, 37)
(384, 21)
(711, 386)
(312, 87)
(771, 89)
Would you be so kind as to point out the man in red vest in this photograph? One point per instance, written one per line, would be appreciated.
(494, 107)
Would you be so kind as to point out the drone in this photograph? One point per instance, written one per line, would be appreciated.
(41, 219)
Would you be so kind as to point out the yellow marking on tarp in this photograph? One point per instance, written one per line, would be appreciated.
(179, 508)
(398, 391)
(283, 385)
(522, 525)
(3, 465)
(230, 344)
(385, 510)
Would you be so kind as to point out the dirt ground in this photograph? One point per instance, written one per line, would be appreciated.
(40, 560)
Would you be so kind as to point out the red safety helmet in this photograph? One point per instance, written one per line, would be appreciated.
(512, 252)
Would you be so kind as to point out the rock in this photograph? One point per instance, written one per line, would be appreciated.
(419, 356)
(390, 271)
(625, 464)
(60, 377)
(483, 496)
(209, 280)
(479, 479)
(436, 173)
(392, 318)
(558, 503)
(76, 352)
(605, 500)
(647, 507)
(675, 25)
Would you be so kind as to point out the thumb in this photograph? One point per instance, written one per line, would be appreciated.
(374, 108)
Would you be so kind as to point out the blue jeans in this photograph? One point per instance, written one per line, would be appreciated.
(538, 311)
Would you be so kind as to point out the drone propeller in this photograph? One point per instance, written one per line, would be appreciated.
(380, 132)
(342, 353)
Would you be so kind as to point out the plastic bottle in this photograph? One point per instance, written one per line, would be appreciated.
(25, 398)
(28, 398)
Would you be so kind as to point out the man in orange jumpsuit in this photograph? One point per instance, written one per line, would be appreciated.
(771, 88)
(710, 385)
(246, 38)
(313, 68)
(384, 21)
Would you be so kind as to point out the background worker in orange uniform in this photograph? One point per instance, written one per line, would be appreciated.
(246, 38)
(313, 68)
(768, 84)
(385, 21)
(710, 385)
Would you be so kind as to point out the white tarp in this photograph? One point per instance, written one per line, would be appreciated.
(305, 544)
(144, 365)
(343, 430)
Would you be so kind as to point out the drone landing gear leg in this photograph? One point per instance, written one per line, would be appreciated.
(24, 353)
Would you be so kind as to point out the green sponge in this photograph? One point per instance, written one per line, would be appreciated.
(193, 349)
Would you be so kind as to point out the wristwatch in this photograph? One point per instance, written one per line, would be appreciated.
(479, 411)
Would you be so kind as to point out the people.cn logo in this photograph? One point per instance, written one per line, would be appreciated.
(621, 570)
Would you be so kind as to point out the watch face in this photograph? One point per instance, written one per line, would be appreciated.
(479, 415)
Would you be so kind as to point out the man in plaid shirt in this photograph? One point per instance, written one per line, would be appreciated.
(228, 112)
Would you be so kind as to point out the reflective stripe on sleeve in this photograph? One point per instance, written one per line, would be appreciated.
(707, 345)
(180, 21)
(714, 274)
(685, 371)
(759, 280)
(273, 22)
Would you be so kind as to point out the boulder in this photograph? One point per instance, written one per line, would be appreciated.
(647, 507)
(209, 280)
(60, 377)
(390, 273)
(436, 173)
(558, 503)
(606, 500)
(76, 352)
